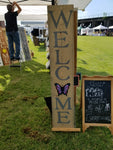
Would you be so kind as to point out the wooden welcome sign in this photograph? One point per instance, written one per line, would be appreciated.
(97, 102)
(61, 39)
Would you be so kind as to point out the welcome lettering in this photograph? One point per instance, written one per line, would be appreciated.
(60, 48)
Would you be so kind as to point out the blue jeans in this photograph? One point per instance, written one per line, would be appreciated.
(13, 37)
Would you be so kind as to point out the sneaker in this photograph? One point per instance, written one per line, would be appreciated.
(17, 58)
(12, 58)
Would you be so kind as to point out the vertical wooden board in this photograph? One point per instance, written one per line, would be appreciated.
(5, 56)
(4, 36)
(22, 56)
(0, 30)
(75, 38)
(4, 47)
(24, 43)
(61, 39)
(111, 107)
(1, 62)
(75, 49)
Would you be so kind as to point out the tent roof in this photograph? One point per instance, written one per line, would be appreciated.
(38, 13)
(28, 10)
(110, 27)
(38, 16)
(100, 27)
(27, 2)
(80, 4)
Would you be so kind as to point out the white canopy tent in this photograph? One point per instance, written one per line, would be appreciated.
(100, 27)
(27, 2)
(28, 13)
(31, 9)
(100, 30)
(80, 4)
(110, 27)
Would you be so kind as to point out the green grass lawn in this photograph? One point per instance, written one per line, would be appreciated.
(95, 55)
(25, 121)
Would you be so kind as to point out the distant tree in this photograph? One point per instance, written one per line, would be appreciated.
(104, 15)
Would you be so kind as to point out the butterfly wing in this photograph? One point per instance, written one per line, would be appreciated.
(66, 88)
(59, 89)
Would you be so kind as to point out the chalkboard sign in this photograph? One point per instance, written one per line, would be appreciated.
(97, 101)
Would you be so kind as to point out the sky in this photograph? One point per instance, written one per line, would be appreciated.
(96, 8)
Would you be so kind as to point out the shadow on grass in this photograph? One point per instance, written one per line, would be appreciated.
(84, 71)
(32, 75)
(82, 61)
(79, 50)
(32, 79)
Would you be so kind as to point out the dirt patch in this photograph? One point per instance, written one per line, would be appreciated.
(37, 135)
(30, 99)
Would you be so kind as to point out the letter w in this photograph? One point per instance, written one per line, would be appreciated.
(66, 22)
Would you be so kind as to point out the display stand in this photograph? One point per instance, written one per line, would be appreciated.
(97, 102)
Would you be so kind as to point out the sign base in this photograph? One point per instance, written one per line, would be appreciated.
(86, 126)
(67, 129)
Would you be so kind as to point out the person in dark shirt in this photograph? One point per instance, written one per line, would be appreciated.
(12, 30)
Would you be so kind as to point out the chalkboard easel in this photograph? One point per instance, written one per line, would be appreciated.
(97, 102)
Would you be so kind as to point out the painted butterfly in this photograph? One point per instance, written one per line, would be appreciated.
(62, 90)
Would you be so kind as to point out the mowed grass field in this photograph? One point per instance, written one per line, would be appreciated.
(25, 121)
(95, 55)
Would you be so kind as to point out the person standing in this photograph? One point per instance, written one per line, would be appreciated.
(12, 30)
